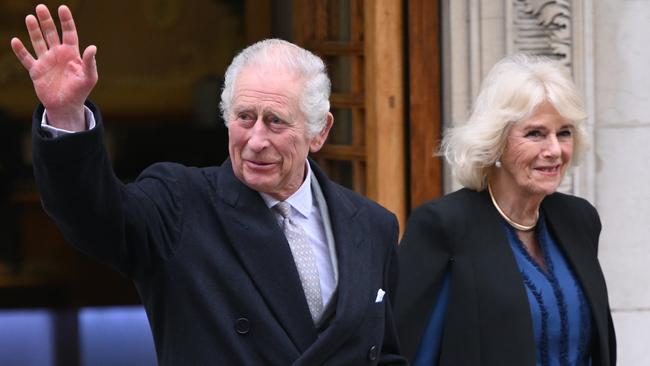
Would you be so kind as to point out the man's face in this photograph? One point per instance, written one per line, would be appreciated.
(268, 135)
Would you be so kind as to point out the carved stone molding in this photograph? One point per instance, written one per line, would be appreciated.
(542, 27)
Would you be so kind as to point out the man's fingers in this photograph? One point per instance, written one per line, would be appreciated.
(90, 64)
(48, 28)
(68, 27)
(35, 35)
(21, 52)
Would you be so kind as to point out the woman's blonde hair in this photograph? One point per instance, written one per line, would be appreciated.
(510, 93)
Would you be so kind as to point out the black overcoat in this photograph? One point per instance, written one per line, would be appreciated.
(212, 265)
(488, 320)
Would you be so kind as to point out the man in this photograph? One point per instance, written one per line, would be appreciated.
(261, 261)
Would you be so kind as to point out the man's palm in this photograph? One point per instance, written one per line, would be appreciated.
(60, 79)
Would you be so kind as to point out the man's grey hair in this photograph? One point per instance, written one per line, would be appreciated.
(511, 93)
(314, 97)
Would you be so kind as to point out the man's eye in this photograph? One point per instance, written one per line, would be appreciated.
(245, 117)
(273, 120)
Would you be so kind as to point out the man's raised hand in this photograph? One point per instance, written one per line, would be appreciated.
(62, 77)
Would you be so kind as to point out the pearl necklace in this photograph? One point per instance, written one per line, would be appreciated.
(512, 223)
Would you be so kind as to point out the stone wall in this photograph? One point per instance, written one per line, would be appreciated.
(604, 43)
(622, 115)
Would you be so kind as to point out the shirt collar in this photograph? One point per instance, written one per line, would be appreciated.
(301, 200)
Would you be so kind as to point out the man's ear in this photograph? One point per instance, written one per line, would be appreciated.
(318, 140)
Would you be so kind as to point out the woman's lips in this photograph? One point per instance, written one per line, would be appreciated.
(549, 170)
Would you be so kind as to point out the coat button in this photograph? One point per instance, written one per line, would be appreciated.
(373, 353)
(242, 326)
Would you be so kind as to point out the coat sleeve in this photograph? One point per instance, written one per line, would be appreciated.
(424, 259)
(115, 223)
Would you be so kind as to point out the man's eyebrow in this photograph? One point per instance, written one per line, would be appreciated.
(242, 108)
(285, 115)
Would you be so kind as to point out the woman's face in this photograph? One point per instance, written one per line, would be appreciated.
(537, 153)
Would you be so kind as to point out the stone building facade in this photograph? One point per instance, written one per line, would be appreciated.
(606, 46)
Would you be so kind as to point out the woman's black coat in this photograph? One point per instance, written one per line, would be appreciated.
(488, 320)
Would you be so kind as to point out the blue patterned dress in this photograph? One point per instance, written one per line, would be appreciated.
(560, 313)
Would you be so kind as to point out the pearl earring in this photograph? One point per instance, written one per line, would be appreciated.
(497, 163)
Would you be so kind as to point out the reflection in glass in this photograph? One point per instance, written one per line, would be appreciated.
(104, 330)
(27, 337)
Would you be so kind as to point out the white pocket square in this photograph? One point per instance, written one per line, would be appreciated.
(380, 296)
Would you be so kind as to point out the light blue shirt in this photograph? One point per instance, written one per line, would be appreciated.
(306, 213)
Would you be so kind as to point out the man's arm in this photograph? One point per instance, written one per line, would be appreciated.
(62, 78)
(125, 226)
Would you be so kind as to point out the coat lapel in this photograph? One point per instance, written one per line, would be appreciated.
(353, 291)
(570, 244)
(581, 256)
(499, 282)
(494, 255)
(265, 255)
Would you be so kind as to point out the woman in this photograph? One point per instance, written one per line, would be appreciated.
(504, 271)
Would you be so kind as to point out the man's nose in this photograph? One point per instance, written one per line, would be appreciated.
(258, 139)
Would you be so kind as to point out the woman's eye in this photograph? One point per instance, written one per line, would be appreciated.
(565, 133)
(533, 133)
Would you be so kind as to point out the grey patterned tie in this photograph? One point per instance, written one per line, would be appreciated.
(304, 258)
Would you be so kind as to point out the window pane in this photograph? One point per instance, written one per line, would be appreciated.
(340, 71)
(340, 171)
(341, 132)
(338, 20)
